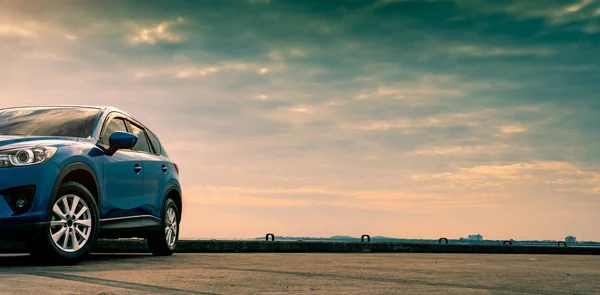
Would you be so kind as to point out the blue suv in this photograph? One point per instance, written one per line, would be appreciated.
(72, 174)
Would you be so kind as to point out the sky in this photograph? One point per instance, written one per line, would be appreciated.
(416, 119)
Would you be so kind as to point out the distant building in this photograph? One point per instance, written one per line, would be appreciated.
(476, 237)
(571, 240)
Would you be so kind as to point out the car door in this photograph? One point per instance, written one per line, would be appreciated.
(161, 169)
(155, 170)
(123, 177)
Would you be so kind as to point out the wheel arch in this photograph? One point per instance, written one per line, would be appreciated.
(80, 172)
(173, 191)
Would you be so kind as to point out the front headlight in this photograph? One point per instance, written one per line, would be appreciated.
(26, 156)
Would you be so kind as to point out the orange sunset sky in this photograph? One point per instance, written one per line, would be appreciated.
(400, 118)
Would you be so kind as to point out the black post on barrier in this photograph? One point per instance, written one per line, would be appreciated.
(270, 235)
(362, 239)
(562, 243)
(442, 239)
(507, 242)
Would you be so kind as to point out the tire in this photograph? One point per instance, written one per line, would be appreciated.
(78, 225)
(157, 241)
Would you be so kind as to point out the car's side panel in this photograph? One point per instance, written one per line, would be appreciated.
(157, 184)
(171, 186)
(79, 152)
(72, 167)
(123, 185)
(144, 150)
(84, 156)
(123, 174)
(155, 181)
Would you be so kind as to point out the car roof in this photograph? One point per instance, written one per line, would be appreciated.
(104, 109)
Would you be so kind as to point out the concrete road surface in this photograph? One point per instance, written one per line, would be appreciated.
(306, 274)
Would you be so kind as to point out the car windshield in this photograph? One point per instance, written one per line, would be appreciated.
(63, 122)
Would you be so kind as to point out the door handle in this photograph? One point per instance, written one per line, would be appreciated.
(164, 168)
(137, 168)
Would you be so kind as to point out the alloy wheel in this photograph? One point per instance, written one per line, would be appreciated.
(71, 223)
(171, 227)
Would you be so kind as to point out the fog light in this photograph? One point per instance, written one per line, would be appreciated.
(21, 203)
(20, 198)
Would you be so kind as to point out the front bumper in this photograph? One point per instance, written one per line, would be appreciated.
(42, 177)
(20, 231)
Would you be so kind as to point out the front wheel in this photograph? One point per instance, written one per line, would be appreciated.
(73, 226)
(164, 241)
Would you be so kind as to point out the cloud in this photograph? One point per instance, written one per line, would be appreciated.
(505, 176)
(454, 150)
(578, 6)
(472, 119)
(31, 30)
(192, 72)
(156, 33)
(189, 70)
(412, 92)
(43, 55)
(371, 200)
(8, 30)
(71, 37)
(499, 51)
(512, 129)
(555, 13)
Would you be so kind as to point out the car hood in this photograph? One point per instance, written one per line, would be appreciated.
(10, 141)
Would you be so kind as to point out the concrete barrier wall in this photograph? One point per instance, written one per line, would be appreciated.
(219, 246)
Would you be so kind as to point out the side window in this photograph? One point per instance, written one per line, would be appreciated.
(142, 143)
(155, 143)
(115, 125)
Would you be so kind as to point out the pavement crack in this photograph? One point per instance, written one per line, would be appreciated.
(117, 284)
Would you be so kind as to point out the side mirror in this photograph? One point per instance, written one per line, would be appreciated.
(121, 141)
